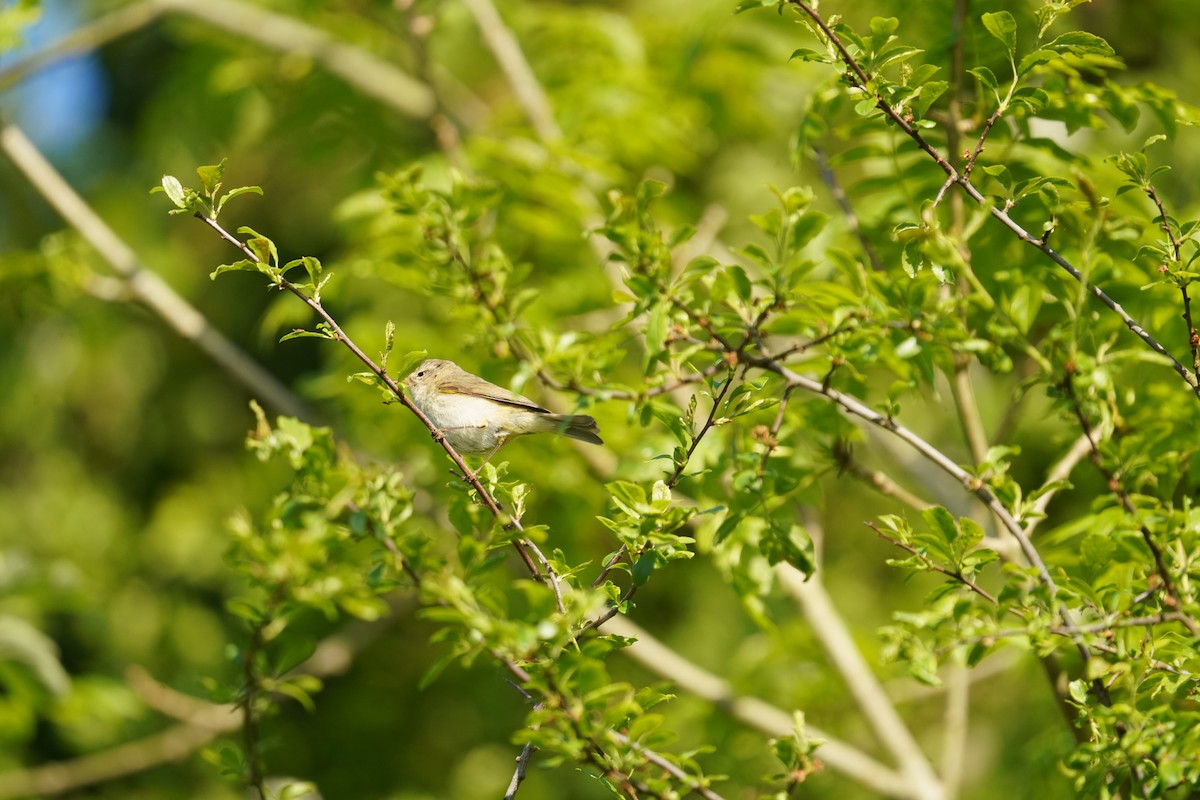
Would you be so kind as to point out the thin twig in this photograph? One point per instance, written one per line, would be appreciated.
(507, 51)
(877, 709)
(861, 81)
(367, 73)
(708, 424)
(470, 476)
(519, 773)
(758, 714)
(974, 156)
(876, 479)
(1060, 471)
(596, 751)
(839, 196)
(143, 284)
(251, 688)
(1176, 249)
(974, 485)
(930, 564)
(1115, 486)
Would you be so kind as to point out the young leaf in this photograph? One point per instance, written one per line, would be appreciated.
(1002, 26)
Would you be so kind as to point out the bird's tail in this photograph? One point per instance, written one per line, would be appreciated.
(577, 426)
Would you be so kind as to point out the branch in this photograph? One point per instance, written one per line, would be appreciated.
(507, 51)
(872, 701)
(924, 559)
(143, 284)
(876, 479)
(708, 425)
(758, 714)
(339, 335)
(367, 73)
(519, 773)
(972, 484)
(1193, 335)
(173, 744)
(84, 39)
(1060, 471)
(600, 758)
(1115, 486)
(839, 197)
(860, 80)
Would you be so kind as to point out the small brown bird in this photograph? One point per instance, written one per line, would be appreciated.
(478, 417)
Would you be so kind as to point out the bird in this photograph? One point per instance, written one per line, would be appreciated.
(478, 417)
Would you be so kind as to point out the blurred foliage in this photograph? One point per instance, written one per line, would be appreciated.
(668, 260)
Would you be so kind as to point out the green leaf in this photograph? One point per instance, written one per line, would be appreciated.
(644, 567)
(1034, 59)
(1081, 43)
(210, 177)
(882, 29)
(942, 522)
(409, 362)
(741, 282)
(298, 790)
(805, 54)
(929, 94)
(630, 497)
(985, 76)
(750, 5)
(1002, 26)
(174, 190)
(300, 333)
(239, 191)
(245, 265)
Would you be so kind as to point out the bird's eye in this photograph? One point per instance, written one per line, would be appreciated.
(421, 374)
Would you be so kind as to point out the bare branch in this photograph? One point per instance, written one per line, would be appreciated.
(173, 744)
(924, 559)
(504, 46)
(758, 714)
(519, 773)
(872, 701)
(876, 479)
(143, 284)
(84, 39)
(367, 73)
(861, 81)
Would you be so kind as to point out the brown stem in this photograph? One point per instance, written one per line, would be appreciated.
(708, 424)
(251, 691)
(339, 335)
(860, 80)
(1116, 487)
(924, 559)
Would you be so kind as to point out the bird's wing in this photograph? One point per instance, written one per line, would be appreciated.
(496, 394)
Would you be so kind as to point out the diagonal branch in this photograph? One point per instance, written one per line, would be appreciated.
(931, 564)
(507, 51)
(143, 284)
(522, 546)
(367, 73)
(861, 81)
(1176, 250)
(84, 39)
(758, 714)
(872, 701)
